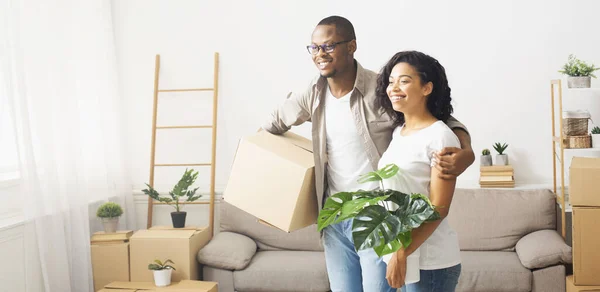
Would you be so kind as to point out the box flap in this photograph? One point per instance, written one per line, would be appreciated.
(158, 233)
(284, 146)
(190, 285)
(131, 286)
(585, 162)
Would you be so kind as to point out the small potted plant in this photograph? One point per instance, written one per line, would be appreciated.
(109, 212)
(180, 190)
(162, 272)
(501, 158)
(383, 218)
(486, 157)
(596, 137)
(579, 73)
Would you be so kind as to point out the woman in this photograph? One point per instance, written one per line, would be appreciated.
(413, 87)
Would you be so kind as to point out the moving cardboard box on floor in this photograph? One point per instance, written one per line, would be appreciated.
(584, 182)
(586, 243)
(180, 246)
(273, 179)
(110, 258)
(572, 288)
(183, 286)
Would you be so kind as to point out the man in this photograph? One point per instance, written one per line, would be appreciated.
(349, 133)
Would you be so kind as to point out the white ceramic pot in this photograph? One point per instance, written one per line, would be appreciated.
(579, 82)
(162, 278)
(110, 224)
(595, 140)
(486, 160)
(501, 159)
(413, 271)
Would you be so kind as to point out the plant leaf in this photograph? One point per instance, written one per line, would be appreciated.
(169, 267)
(374, 226)
(417, 212)
(388, 248)
(332, 209)
(154, 267)
(353, 207)
(405, 238)
(388, 171)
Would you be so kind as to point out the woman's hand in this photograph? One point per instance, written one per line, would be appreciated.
(396, 270)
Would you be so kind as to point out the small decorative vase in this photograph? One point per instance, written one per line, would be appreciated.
(501, 159)
(110, 224)
(595, 140)
(162, 278)
(486, 160)
(579, 82)
(178, 219)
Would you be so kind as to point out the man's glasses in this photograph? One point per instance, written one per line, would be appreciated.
(327, 48)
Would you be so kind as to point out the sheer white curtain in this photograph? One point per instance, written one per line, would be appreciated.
(60, 81)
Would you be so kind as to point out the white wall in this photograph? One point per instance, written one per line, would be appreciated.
(499, 57)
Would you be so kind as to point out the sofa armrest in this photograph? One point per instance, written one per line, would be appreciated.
(543, 248)
(228, 251)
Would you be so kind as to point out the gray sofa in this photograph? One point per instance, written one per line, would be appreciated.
(508, 242)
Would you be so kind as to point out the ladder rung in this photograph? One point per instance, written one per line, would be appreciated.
(183, 164)
(185, 90)
(184, 127)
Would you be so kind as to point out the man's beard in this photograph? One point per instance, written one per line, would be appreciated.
(332, 74)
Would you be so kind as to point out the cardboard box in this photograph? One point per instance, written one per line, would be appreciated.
(180, 246)
(183, 286)
(110, 262)
(572, 288)
(584, 182)
(586, 243)
(273, 179)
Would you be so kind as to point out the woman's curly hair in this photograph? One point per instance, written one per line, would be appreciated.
(430, 70)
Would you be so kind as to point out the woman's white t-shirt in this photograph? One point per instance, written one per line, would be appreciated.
(414, 155)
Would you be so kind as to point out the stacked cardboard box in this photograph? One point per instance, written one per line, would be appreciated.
(584, 194)
(179, 245)
(497, 176)
(110, 257)
(273, 179)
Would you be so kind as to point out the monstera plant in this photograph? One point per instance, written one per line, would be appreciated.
(383, 218)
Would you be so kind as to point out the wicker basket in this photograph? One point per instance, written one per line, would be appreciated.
(584, 141)
(575, 123)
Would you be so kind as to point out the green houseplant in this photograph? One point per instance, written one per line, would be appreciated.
(596, 137)
(382, 218)
(579, 72)
(162, 272)
(180, 190)
(486, 158)
(109, 212)
(501, 158)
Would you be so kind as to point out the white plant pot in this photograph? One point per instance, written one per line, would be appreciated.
(486, 160)
(413, 269)
(162, 278)
(501, 159)
(595, 140)
(579, 82)
(110, 224)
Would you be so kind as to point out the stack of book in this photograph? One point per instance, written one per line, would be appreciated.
(102, 237)
(497, 176)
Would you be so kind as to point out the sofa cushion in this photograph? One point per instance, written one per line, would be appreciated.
(235, 220)
(542, 249)
(493, 271)
(283, 271)
(494, 219)
(228, 250)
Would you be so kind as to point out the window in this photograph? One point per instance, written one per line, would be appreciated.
(9, 158)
